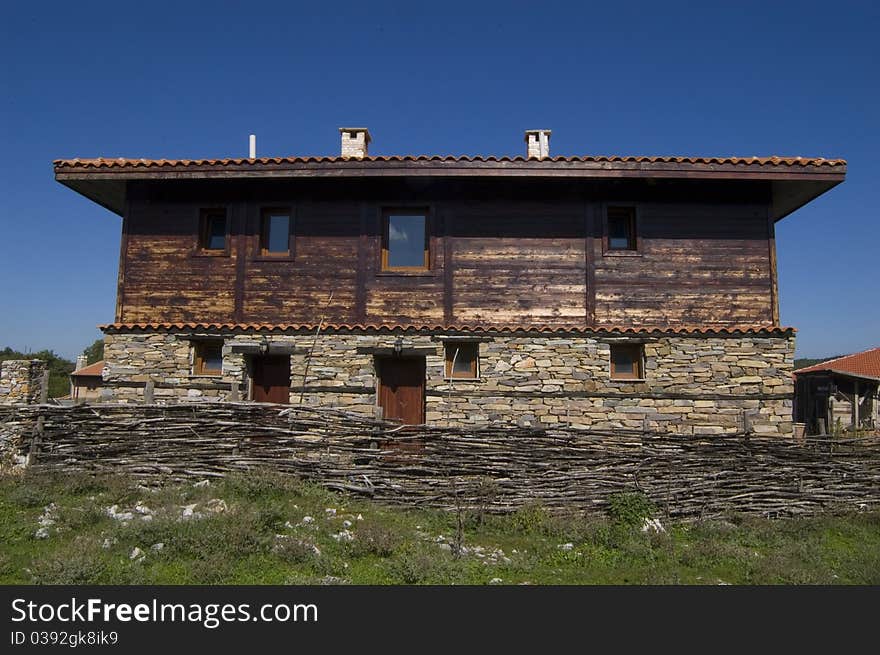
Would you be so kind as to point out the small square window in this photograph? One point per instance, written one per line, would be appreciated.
(405, 241)
(627, 361)
(275, 233)
(212, 231)
(462, 360)
(207, 357)
(621, 229)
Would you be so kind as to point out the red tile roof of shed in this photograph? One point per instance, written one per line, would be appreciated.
(92, 370)
(863, 364)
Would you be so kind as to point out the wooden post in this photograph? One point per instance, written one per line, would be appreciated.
(747, 424)
(148, 392)
(829, 415)
(856, 406)
(44, 388)
(233, 393)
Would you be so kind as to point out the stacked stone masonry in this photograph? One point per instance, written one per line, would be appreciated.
(691, 385)
(21, 381)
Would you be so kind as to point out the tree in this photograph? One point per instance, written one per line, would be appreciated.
(58, 367)
(95, 352)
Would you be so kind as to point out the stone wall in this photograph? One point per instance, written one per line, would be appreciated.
(21, 381)
(692, 384)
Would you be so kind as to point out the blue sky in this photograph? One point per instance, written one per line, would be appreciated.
(193, 79)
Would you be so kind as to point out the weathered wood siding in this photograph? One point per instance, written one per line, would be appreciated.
(518, 264)
(699, 264)
(499, 257)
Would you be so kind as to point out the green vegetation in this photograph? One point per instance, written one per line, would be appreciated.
(58, 367)
(95, 352)
(258, 529)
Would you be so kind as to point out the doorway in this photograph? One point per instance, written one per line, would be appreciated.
(271, 379)
(402, 388)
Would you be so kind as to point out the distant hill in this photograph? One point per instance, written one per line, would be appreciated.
(806, 361)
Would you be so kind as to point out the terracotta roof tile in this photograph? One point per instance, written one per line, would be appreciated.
(182, 163)
(863, 364)
(92, 370)
(475, 329)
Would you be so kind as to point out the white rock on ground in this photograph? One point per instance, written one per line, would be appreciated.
(346, 524)
(345, 535)
(136, 553)
(568, 546)
(157, 547)
(496, 581)
(330, 512)
(653, 525)
(42, 533)
(203, 483)
(47, 518)
(216, 506)
(114, 513)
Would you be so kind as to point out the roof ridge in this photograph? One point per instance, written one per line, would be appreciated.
(773, 160)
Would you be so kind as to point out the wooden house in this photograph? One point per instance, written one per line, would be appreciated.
(589, 291)
(839, 394)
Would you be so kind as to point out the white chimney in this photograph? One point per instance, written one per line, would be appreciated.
(355, 141)
(252, 149)
(81, 362)
(537, 144)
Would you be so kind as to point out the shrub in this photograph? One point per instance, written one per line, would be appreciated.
(418, 564)
(630, 508)
(294, 551)
(81, 563)
(374, 539)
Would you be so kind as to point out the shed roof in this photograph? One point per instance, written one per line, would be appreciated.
(865, 364)
(92, 370)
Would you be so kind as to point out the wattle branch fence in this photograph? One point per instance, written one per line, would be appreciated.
(492, 468)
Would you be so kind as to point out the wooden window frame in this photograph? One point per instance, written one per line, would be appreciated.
(198, 366)
(202, 235)
(448, 355)
(262, 252)
(638, 361)
(635, 236)
(384, 268)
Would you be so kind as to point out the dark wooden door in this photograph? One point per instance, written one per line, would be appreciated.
(272, 379)
(402, 388)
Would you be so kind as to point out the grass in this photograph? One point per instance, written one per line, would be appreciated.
(274, 530)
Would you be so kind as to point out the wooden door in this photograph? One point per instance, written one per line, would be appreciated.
(272, 379)
(402, 388)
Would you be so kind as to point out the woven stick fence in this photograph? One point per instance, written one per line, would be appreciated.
(492, 468)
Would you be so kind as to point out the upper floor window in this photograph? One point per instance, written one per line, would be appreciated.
(405, 241)
(212, 231)
(627, 361)
(207, 357)
(621, 232)
(275, 232)
(462, 359)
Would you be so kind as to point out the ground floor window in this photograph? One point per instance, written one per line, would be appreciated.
(207, 357)
(627, 361)
(462, 360)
